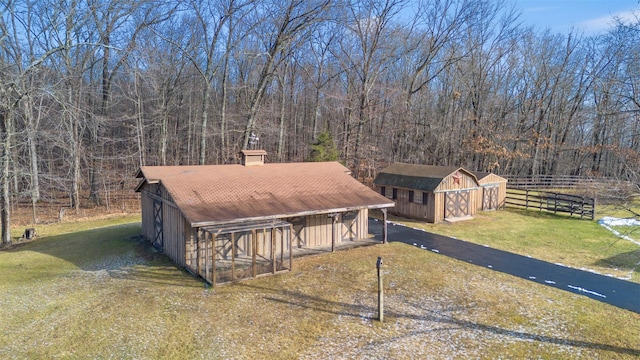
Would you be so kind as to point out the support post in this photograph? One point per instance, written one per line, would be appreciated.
(198, 265)
(384, 226)
(254, 250)
(380, 290)
(334, 220)
(274, 259)
(233, 257)
(214, 254)
(290, 246)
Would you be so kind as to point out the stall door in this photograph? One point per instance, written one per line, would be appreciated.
(349, 226)
(490, 198)
(456, 204)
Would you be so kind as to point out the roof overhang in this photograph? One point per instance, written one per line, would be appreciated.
(286, 216)
(145, 181)
(246, 226)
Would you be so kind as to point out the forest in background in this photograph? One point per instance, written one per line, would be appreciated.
(90, 90)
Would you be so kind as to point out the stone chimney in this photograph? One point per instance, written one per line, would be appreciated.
(253, 157)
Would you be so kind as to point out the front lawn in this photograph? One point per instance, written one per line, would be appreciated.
(101, 293)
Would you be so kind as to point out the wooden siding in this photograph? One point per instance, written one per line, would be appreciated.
(491, 179)
(409, 209)
(488, 182)
(484, 192)
(465, 181)
(355, 225)
(148, 223)
(315, 231)
(434, 209)
(176, 230)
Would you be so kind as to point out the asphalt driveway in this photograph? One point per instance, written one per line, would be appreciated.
(616, 292)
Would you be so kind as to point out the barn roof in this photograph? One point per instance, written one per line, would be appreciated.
(418, 177)
(215, 194)
(488, 177)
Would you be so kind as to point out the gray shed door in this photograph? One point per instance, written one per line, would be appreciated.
(456, 204)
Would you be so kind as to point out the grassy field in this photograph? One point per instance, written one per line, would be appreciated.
(90, 290)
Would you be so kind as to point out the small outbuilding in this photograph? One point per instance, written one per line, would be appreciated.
(229, 222)
(492, 192)
(430, 193)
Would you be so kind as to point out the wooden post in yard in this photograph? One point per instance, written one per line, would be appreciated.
(380, 290)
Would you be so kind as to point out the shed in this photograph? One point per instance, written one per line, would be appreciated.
(492, 192)
(430, 193)
(229, 222)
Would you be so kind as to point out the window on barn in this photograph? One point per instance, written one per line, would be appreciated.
(410, 195)
(425, 198)
(395, 194)
(382, 190)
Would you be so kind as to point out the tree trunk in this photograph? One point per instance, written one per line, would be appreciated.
(203, 123)
(5, 199)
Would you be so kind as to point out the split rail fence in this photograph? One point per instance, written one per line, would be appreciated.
(551, 201)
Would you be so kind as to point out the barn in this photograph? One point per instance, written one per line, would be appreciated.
(226, 223)
(492, 192)
(430, 193)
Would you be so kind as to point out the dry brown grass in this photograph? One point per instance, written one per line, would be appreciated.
(99, 294)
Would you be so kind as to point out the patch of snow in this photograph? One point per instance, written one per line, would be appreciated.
(435, 250)
(550, 282)
(612, 221)
(532, 277)
(586, 291)
(609, 221)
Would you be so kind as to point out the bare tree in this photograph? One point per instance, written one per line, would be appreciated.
(280, 25)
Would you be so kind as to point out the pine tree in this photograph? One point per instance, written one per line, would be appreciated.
(323, 149)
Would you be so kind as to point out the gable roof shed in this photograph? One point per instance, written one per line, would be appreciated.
(429, 193)
(418, 177)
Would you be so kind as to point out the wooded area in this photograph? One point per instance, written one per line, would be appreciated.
(92, 89)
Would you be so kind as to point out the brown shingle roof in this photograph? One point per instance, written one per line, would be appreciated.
(212, 194)
(413, 176)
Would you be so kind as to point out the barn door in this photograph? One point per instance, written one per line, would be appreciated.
(456, 204)
(490, 198)
(157, 219)
(297, 236)
(349, 226)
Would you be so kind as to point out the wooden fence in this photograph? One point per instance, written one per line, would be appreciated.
(552, 202)
(562, 182)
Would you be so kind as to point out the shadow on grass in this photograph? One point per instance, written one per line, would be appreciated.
(629, 261)
(298, 299)
(117, 250)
